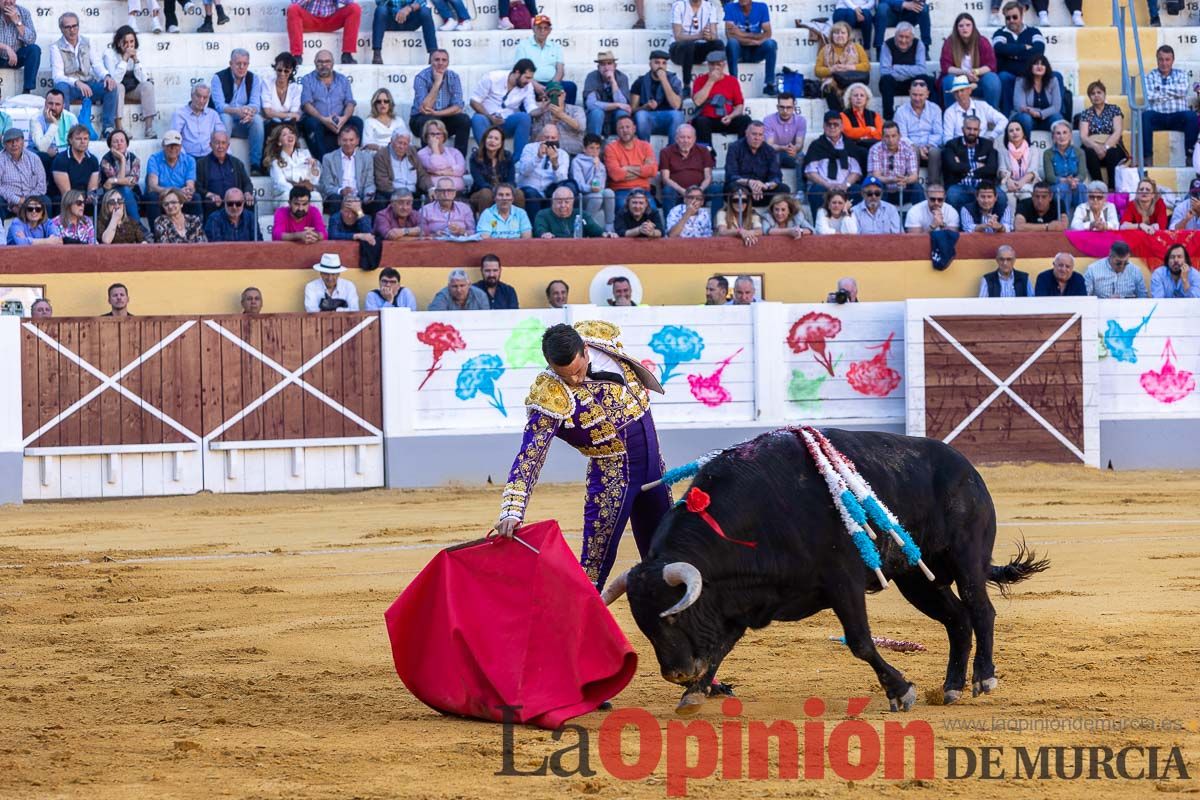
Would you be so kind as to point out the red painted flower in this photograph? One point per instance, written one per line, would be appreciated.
(874, 377)
(443, 339)
(697, 500)
(811, 332)
(1168, 385)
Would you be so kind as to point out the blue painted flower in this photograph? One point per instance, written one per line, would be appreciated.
(479, 376)
(676, 344)
(1119, 341)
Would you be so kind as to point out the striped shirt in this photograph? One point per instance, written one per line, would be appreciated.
(9, 34)
(449, 93)
(1103, 281)
(21, 178)
(889, 166)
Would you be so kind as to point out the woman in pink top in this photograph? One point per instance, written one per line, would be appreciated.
(439, 160)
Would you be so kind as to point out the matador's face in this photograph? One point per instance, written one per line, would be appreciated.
(575, 373)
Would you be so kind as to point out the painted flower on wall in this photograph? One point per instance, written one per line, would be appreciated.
(1119, 341)
(708, 389)
(479, 375)
(811, 332)
(874, 377)
(1168, 385)
(676, 344)
(804, 390)
(443, 339)
(524, 345)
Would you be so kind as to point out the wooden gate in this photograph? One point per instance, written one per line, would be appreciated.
(1005, 386)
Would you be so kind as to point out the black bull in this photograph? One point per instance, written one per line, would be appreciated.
(695, 593)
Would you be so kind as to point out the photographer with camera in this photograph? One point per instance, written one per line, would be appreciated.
(541, 168)
(329, 292)
(847, 292)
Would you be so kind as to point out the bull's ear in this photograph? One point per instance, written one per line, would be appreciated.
(616, 587)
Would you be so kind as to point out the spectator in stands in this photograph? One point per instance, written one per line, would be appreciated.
(299, 221)
(79, 75)
(749, 162)
(558, 221)
(1064, 166)
(638, 219)
(1037, 97)
(622, 291)
(504, 220)
(41, 309)
(74, 224)
(402, 15)
(196, 122)
(557, 293)
(347, 171)
(933, 213)
(439, 159)
(21, 174)
(1146, 211)
(1039, 212)
(50, 128)
(631, 163)
(438, 93)
(1017, 172)
(901, 12)
(606, 95)
(894, 162)
(118, 301)
(840, 64)
(252, 300)
(967, 55)
(716, 291)
(1167, 98)
(390, 293)
(785, 131)
(656, 99)
(873, 215)
(173, 226)
(743, 291)
(693, 36)
(327, 100)
(75, 167)
(1015, 45)
(690, 219)
(570, 119)
(397, 168)
(542, 168)
(219, 172)
(719, 102)
(350, 224)
(207, 25)
(1061, 280)
(1101, 126)
(921, 126)
(505, 99)
(902, 60)
(861, 125)
(1097, 214)
(291, 166)
(1186, 216)
(121, 61)
(18, 48)
(738, 218)
(968, 160)
(682, 164)
(237, 97)
(1176, 278)
(1114, 276)
(491, 165)
(992, 122)
(446, 216)
(323, 16)
(330, 291)
(859, 15)
(398, 221)
(985, 214)
(501, 296)
(787, 216)
(117, 225)
(1005, 280)
(281, 100)
(170, 168)
(846, 292)
(547, 57)
(748, 39)
(459, 295)
(591, 179)
(33, 226)
(232, 222)
(832, 163)
(455, 14)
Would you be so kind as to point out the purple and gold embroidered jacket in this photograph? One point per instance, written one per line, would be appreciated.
(590, 417)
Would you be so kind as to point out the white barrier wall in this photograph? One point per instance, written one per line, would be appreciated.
(1149, 356)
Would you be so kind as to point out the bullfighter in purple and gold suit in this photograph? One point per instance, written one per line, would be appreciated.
(594, 397)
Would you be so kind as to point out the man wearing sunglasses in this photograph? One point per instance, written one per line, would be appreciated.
(933, 214)
(231, 223)
(1016, 44)
(873, 215)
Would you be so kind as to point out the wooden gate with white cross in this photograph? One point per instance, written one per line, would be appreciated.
(1005, 380)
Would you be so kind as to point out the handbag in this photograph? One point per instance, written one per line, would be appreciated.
(1127, 179)
(130, 82)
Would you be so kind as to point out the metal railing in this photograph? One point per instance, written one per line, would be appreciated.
(1123, 14)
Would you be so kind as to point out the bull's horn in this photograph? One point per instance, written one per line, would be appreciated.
(678, 572)
(615, 588)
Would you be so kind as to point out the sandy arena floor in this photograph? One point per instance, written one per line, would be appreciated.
(129, 668)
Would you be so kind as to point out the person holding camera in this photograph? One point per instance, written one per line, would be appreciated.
(542, 168)
(329, 291)
(846, 292)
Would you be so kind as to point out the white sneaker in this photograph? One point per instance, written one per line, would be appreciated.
(1077, 19)
(172, 29)
(156, 25)
(505, 24)
(465, 25)
(1043, 18)
(132, 22)
(449, 25)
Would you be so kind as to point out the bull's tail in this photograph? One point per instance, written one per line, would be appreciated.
(1024, 565)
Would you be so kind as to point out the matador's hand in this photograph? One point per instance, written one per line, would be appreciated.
(507, 526)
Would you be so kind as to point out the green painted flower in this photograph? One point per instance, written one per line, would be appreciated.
(805, 390)
(524, 345)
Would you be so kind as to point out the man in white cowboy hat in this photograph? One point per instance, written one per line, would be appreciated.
(330, 292)
(606, 95)
(992, 122)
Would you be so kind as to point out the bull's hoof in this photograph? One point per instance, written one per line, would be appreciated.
(721, 689)
(984, 686)
(690, 704)
(950, 696)
(904, 702)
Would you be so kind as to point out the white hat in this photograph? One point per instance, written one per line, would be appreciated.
(331, 264)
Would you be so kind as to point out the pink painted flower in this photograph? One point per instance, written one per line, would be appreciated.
(1168, 385)
(810, 332)
(874, 377)
(708, 389)
(443, 339)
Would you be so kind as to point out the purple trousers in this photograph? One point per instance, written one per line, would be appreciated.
(614, 497)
